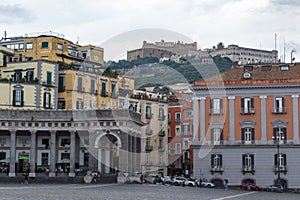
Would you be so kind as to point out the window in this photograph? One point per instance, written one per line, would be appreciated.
(177, 116)
(64, 141)
(177, 129)
(61, 104)
(147, 142)
(278, 105)
(44, 45)
(92, 86)
(86, 159)
(29, 75)
(79, 104)
(47, 100)
(65, 156)
(96, 58)
(161, 159)
(79, 84)
(186, 129)
(61, 84)
(2, 155)
(188, 113)
(17, 75)
(280, 162)
(247, 135)
(177, 148)
(45, 141)
(248, 162)
(247, 105)
(284, 67)
(161, 143)
(2, 142)
(49, 78)
(281, 133)
(217, 136)
(18, 96)
(59, 46)
(148, 111)
(161, 113)
(92, 102)
(147, 158)
(23, 141)
(186, 144)
(216, 162)
(29, 45)
(103, 89)
(113, 90)
(216, 106)
(45, 159)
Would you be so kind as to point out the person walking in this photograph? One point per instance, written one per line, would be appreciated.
(226, 184)
(25, 178)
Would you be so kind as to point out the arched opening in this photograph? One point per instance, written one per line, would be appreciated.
(283, 182)
(108, 146)
(248, 181)
(218, 182)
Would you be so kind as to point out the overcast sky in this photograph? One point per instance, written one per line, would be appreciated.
(120, 25)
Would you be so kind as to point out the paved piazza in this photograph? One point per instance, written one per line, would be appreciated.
(129, 192)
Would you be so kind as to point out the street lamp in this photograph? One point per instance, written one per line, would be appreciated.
(278, 137)
(292, 58)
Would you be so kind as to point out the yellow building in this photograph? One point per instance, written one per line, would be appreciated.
(29, 85)
(6, 55)
(53, 47)
(153, 108)
(87, 88)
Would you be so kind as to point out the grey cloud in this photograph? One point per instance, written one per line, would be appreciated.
(15, 13)
(285, 2)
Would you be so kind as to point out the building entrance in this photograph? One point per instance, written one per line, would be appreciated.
(23, 162)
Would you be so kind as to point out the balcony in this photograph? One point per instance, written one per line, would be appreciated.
(279, 110)
(283, 169)
(248, 169)
(216, 169)
(161, 133)
(247, 111)
(149, 115)
(161, 117)
(104, 94)
(148, 148)
(149, 131)
(161, 149)
(186, 161)
(214, 111)
(177, 120)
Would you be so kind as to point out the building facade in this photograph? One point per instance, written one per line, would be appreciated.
(180, 118)
(6, 55)
(243, 55)
(240, 118)
(161, 49)
(29, 85)
(65, 143)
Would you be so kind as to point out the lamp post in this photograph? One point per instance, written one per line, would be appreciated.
(278, 137)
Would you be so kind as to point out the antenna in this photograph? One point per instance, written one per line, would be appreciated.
(77, 40)
(284, 49)
(275, 41)
(5, 34)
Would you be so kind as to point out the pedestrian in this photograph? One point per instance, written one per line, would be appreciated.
(226, 184)
(200, 182)
(25, 177)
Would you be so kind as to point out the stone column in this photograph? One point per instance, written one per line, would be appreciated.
(263, 119)
(295, 118)
(72, 153)
(32, 153)
(52, 153)
(123, 158)
(202, 119)
(195, 119)
(129, 150)
(12, 163)
(93, 151)
(231, 120)
(139, 152)
(134, 154)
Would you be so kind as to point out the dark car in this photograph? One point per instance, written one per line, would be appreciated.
(274, 188)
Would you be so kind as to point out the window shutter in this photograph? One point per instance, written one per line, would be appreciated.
(49, 96)
(221, 105)
(212, 134)
(221, 135)
(242, 103)
(275, 159)
(212, 159)
(283, 102)
(45, 96)
(14, 98)
(253, 135)
(252, 159)
(252, 102)
(22, 98)
(284, 159)
(284, 133)
(221, 159)
(211, 103)
(243, 135)
(274, 132)
(243, 159)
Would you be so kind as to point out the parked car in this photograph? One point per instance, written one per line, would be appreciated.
(274, 188)
(255, 187)
(207, 184)
(244, 186)
(178, 180)
(134, 178)
(167, 180)
(151, 178)
(190, 182)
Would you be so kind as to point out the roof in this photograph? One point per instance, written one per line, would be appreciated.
(253, 74)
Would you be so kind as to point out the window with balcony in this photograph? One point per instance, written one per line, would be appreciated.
(79, 84)
(45, 159)
(92, 86)
(216, 163)
(247, 106)
(216, 136)
(64, 142)
(177, 148)
(188, 113)
(103, 89)
(148, 112)
(160, 143)
(29, 75)
(113, 90)
(49, 78)
(18, 98)
(280, 162)
(280, 132)
(2, 155)
(79, 104)
(177, 130)
(216, 106)
(279, 107)
(248, 135)
(161, 114)
(61, 84)
(248, 163)
(17, 75)
(186, 129)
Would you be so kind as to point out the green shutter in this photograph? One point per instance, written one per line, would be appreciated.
(44, 100)
(49, 78)
(22, 98)
(14, 98)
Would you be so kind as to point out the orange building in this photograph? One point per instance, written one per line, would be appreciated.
(246, 124)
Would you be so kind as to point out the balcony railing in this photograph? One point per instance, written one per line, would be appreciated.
(218, 169)
(161, 117)
(247, 111)
(104, 94)
(148, 148)
(279, 110)
(161, 133)
(187, 160)
(248, 169)
(149, 115)
(281, 168)
(161, 149)
(149, 131)
(214, 111)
